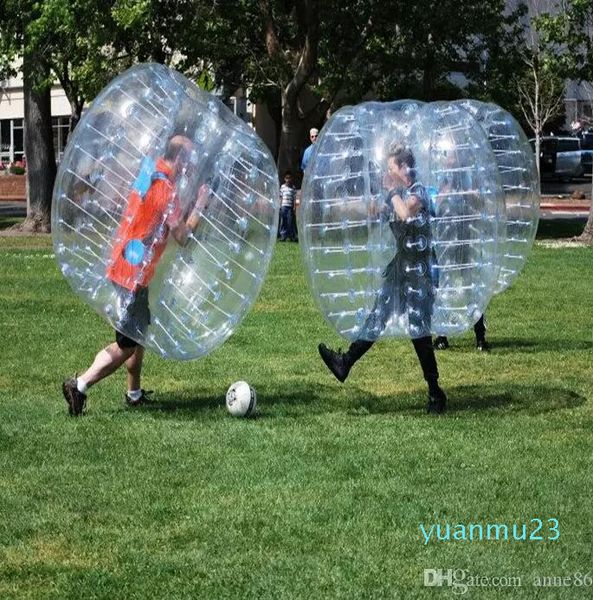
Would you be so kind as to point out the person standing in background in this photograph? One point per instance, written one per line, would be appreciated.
(287, 209)
(313, 133)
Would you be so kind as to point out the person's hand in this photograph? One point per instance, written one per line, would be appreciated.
(414, 205)
(200, 206)
(388, 181)
(203, 198)
(372, 209)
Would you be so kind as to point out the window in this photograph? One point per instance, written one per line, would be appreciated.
(5, 140)
(18, 139)
(568, 145)
(587, 141)
(548, 146)
(61, 129)
(12, 141)
(12, 138)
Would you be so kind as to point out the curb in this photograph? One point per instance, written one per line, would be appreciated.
(566, 207)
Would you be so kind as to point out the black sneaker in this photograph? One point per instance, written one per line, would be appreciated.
(144, 399)
(76, 400)
(482, 346)
(437, 401)
(441, 343)
(335, 362)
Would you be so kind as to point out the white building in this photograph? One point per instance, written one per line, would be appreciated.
(12, 113)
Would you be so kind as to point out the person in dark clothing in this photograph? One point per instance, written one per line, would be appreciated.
(407, 281)
(441, 342)
(452, 183)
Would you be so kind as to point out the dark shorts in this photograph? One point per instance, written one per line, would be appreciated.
(134, 315)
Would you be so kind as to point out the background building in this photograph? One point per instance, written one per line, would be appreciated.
(12, 113)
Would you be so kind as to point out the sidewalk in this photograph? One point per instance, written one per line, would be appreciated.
(561, 207)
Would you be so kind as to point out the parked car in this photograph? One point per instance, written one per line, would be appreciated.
(560, 157)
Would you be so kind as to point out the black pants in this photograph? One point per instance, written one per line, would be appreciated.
(480, 329)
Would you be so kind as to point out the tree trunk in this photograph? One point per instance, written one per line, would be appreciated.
(587, 235)
(76, 109)
(428, 77)
(291, 136)
(274, 106)
(39, 147)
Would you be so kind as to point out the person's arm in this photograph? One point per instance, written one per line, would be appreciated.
(406, 209)
(181, 230)
(305, 158)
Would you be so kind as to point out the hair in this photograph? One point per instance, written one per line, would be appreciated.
(287, 173)
(178, 144)
(402, 155)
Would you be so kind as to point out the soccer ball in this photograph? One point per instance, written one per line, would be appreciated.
(241, 399)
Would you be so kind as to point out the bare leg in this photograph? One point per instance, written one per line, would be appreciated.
(134, 366)
(106, 362)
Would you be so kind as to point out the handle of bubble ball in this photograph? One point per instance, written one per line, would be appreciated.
(199, 207)
(406, 209)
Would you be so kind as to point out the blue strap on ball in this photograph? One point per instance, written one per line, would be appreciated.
(134, 252)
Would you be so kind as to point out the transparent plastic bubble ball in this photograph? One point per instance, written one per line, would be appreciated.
(520, 182)
(165, 212)
(401, 220)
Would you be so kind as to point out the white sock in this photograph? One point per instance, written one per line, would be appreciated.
(134, 395)
(81, 385)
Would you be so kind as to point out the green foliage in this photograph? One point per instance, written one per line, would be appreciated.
(570, 31)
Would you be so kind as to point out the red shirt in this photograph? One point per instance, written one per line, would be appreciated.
(143, 232)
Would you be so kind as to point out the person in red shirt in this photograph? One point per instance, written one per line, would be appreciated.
(152, 215)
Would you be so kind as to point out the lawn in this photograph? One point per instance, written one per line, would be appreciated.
(323, 494)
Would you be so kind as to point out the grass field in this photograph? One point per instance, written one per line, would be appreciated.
(323, 494)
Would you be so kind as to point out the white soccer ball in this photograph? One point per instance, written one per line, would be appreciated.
(241, 399)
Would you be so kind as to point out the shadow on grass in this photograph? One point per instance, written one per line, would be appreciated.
(487, 400)
(8, 222)
(560, 228)
(313, 399)
(511, 345)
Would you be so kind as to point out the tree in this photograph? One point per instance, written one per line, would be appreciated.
(571, 31)
(293, 63)
(15, 41)
(78, 39)
(540, 82)
(303, 57)
(541, 95)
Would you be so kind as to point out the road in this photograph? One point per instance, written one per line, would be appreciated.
(13, 209)
(555, 188)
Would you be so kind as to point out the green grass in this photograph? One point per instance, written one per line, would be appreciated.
(322, 495)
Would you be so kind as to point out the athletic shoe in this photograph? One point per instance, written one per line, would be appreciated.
(441, 343)
(336, 362)
(437, 401)
(76, 400)
(482, 346)
(144, 399)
